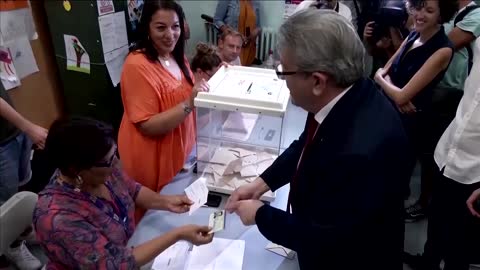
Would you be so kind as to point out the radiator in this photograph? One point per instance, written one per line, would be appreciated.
(265, 42)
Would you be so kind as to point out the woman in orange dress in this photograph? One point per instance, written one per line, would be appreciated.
(157, 132)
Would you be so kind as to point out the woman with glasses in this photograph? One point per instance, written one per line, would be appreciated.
(205, 62)
(85, 215)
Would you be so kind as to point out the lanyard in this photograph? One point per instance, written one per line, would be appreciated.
(122, 216)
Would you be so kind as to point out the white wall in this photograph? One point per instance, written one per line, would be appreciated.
(272, 16)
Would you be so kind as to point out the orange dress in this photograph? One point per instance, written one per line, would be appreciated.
(148, 89)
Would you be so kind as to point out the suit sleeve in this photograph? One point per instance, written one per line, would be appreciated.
(283, 169)
(365, 196)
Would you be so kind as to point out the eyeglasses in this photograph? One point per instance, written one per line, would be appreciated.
(209, 74)
(107, 164)
(281, 74)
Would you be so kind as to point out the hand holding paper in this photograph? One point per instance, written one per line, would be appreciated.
(197, 192)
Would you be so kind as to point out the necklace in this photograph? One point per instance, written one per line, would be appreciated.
(165, 60)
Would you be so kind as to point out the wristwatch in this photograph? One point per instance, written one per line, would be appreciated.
(186, 108)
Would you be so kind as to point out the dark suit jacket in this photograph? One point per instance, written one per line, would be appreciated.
(348, 198)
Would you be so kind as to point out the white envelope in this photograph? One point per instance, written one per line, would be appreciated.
(220, 254)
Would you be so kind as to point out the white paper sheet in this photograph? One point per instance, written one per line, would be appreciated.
(173, 258)
(223, 156)
(115, 65)
(77, 56)
(8, 74)
(15, 24)
(239, 126)
(221, 254)
(23, 57)
(113, 30)
(197, 192)
(105, 7)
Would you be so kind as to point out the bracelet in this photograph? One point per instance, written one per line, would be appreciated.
(186, 108)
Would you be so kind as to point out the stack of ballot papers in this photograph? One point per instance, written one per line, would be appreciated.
(220, 254)
(233, 167)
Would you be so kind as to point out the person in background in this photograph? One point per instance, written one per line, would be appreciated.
(91, 202)
(206, 62)
(348, 170)
(449, 91)
(384, 35)
(336, 5)
(157, 132)
(230, 47)
(453, 231)
(17, 134)
(409, 79)
(244, 17)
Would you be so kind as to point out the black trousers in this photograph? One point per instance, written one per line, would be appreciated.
(453, 233)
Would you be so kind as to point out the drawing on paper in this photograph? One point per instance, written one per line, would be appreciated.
(77, 56)
(8, 74)
(135, 8)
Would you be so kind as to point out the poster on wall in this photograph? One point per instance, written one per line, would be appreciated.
(17, 23)
(290, 6)
(135, 8)
(105, 7)
(23, 57)
(77, 56)
(8, 73)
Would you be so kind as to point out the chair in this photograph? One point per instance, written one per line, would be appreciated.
(16, 215)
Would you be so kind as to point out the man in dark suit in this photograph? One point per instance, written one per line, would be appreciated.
(348, 171)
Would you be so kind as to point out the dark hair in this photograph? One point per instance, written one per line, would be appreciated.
(77, 143)
(145, 46)
(206, 57)
(448, 8)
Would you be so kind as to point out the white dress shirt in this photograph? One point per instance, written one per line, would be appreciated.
(322, 114)
(342, 8)
(458, 151)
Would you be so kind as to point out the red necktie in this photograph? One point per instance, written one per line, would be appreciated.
(311, 128)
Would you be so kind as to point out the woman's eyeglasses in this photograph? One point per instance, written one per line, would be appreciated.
(109, 163)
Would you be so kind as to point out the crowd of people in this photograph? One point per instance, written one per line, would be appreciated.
(349, 171)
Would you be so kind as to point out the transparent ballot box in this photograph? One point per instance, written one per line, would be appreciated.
(239, 126)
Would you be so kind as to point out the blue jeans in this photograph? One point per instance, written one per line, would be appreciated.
(14, 166)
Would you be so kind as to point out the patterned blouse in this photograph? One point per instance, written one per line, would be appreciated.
(77, 233)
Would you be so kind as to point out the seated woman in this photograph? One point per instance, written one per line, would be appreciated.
(206, 62)
(243, 16)
(410, 76)
(85, 215)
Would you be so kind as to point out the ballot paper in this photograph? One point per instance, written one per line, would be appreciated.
(220, 254)
(280, 250)
(217, 221)
(173, 258)
(197, 192)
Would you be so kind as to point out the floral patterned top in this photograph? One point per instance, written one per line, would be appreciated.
(78, 233)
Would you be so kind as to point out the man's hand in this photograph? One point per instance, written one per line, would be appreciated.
(177, 203)
(37, 134)
(247, 210)
(471, 201)
(249, 191)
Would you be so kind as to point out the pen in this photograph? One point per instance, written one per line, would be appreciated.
(250, 86)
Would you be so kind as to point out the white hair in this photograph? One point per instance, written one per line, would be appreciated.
(324, 41)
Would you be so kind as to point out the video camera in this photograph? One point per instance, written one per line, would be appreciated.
(391, 14)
